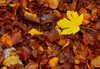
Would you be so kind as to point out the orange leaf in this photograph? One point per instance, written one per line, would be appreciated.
(53, 62)
(5, 39)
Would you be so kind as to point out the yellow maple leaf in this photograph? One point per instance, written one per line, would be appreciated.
(34, 31)
(70, 25)
(11, 60)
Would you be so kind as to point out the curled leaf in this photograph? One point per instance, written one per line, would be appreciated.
(31, 17)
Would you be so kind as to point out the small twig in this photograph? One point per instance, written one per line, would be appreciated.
(88, 28)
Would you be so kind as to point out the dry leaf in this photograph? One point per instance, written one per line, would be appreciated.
(53, 62)
(53, 4)
(34, 31)
(31, 17)
(95, 62)
(11, 60)
(5, 39)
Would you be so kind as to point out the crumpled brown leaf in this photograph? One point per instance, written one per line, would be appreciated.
(31, 17)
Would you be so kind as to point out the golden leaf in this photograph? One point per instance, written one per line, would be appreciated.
(72, 25)
(53, 62)
(34, 31)
(11, 60)
(5, 39)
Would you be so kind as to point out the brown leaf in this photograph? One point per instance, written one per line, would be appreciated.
(1, 58)
(25, 52)
(53, 35)
(82, 10)
(31, 66)
(66, 66)
(56, 13)
(44, 61)
(34, 53)
(16, 38)
(87, 39)
(31, 17)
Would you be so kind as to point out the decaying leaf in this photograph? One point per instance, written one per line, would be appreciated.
(53, 62)
(5, 39)
(72, 25)
(95, 62)
(31, 17)
(53, 4)
(34, 31)
(11, 60)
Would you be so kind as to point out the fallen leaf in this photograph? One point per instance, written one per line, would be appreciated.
(66, 45)
(72, 25)
(53, 62)
(11, 60)
(56, 13)
(31, 17)
(95, 62)
(16, 38)
(5, 39)
(25, 52)
(4, 67)
(53, 4)
(53, 35)
(34, 31)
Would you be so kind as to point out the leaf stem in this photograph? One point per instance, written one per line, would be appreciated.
(87, 28)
